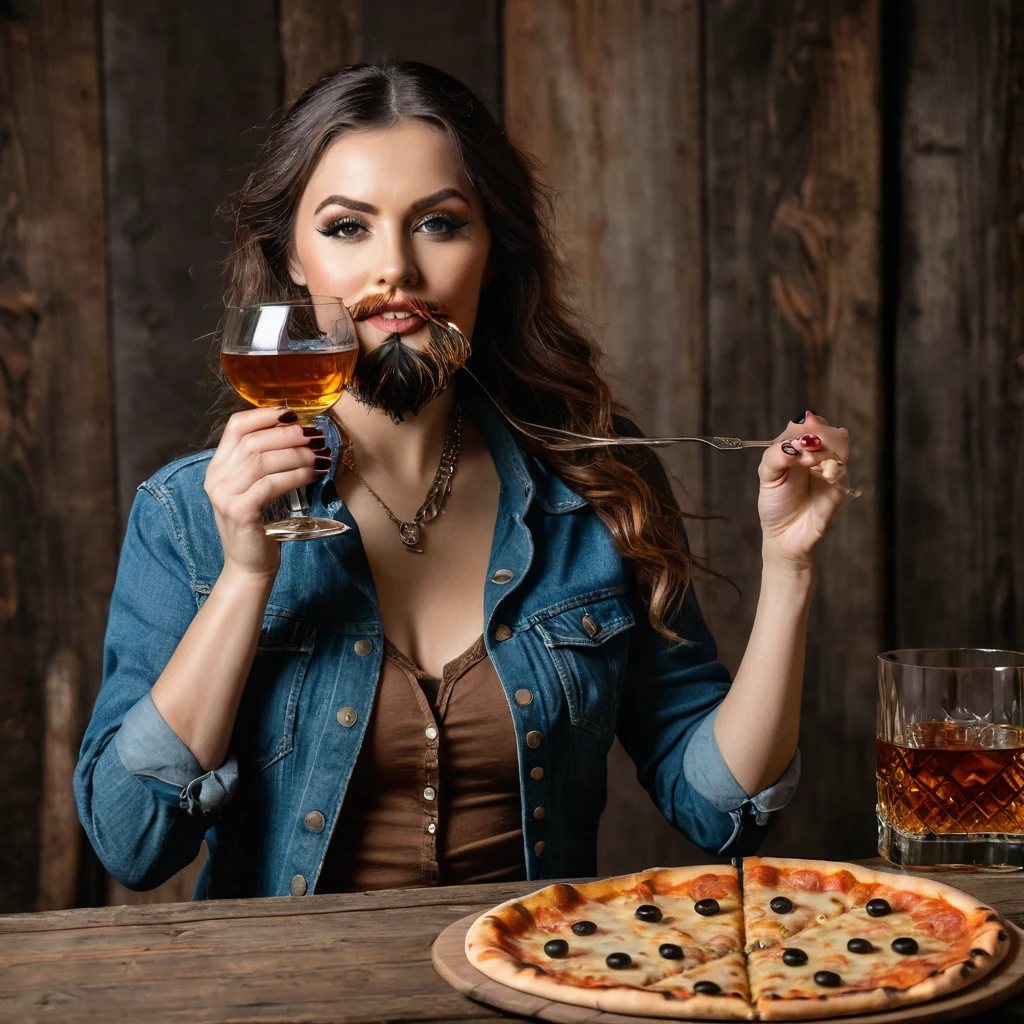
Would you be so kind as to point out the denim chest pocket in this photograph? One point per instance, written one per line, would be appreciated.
(265, 728)
(589, 645)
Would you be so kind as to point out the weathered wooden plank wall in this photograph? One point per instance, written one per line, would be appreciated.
(57, 519)
(721, 175)
(959, 376)
(793, 169)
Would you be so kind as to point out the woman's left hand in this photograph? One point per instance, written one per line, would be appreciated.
(804, 484)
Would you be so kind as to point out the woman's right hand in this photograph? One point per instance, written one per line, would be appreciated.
(259, 458)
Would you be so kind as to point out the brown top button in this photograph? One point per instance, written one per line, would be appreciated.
(536, 774)
(298, 886)
(534, 739)
(538, 812)
(314, 821)
(502, 632)
(501, 576)
(539, 848)
(363, 648)
(590, 626)
(524, 697)
(347, 716)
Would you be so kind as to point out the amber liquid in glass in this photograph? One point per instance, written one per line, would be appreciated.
(309, 383)
(959, 780)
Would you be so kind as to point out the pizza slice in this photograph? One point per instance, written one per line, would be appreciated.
(782, 897)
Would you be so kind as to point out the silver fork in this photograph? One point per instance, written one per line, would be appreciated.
(567, 441)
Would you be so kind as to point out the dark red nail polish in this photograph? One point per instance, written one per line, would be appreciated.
(312, 432)
(287, 417)
(322, 463)
(316, 442)
(789, 449)
(811, 442)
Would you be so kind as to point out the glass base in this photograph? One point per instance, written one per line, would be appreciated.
(303, 528)
(953, 852)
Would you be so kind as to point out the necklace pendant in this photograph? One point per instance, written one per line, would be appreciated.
(410, 534)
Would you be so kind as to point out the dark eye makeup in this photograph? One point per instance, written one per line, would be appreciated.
(437, 225)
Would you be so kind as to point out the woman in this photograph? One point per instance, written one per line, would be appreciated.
(348, 713)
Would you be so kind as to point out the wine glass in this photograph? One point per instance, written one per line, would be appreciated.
(297, 354)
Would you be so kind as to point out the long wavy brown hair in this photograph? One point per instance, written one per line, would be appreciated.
(532, 349)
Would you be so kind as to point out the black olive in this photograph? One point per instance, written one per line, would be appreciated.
(794, 957)
(648, 912)
(878, 908)
(670, 951)
(827, 979)
(584, 928)
(860, 946)
(556, 947)
(904, 945)
(618, 961)
(706, 988)
(781, 905)
(707, 908)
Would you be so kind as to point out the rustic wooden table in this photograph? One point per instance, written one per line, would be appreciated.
(360, 957)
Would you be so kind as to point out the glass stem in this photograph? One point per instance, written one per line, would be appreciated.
(297, 504)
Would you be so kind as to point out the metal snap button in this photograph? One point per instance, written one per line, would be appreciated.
(502, 632)
(590, 626)
(537, 774)
(538, 813)
(539, 848)
(501, 576)
(362, 648)
(298, 886)
(347, 716)
(429, 793)
(534, 739)
(314, 821)
(523, 697)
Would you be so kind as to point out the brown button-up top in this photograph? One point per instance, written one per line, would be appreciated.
(434, 797)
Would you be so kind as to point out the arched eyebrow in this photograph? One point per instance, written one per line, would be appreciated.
(420, 204)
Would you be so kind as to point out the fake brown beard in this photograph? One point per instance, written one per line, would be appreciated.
(399, 379)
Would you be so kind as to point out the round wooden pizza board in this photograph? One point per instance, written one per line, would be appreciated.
(449, 956)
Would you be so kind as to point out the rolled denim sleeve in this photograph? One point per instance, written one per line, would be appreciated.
(151, 750)
(706, 771)
(128, 797)
(666, 725)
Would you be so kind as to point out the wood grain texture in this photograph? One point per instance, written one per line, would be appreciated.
(316, 37)
(180, 133)
(607, 97)
(187, 88)
(356, 957)
(959, 431)
(793, 135)
(60, 835)
(57, 528)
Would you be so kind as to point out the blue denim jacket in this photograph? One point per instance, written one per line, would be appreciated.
(146, 804)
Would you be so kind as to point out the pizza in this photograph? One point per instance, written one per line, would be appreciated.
(797, 939)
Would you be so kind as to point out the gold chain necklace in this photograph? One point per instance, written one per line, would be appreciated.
(439, 489)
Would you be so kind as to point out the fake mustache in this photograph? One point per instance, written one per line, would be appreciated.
(371, 305)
